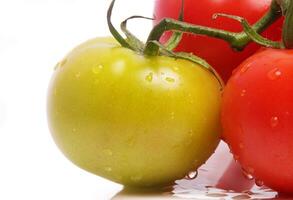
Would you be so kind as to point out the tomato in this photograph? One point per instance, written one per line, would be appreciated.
(136, 120)
(217, 52)
(257, 115)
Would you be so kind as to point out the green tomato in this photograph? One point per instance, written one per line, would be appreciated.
(136, 120)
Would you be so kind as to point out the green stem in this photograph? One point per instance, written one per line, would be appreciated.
(176, 37)
(288, 25)
(133, 41)
(269, 18)
(112, 29)
(237, 40)
(252, 34)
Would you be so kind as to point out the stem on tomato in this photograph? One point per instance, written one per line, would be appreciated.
(112, 29)
(237, 40)
(288, 24)
(252, 34)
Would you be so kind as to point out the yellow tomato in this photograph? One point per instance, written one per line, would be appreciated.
(136, 120)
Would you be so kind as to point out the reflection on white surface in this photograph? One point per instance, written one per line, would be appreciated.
(205, 192)
(218, 173)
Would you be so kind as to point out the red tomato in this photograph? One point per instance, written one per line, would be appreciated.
(257, 117)
(217, 52)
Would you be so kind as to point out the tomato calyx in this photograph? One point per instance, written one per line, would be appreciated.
(154, 47)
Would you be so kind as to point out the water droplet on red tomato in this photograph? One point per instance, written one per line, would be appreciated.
(244, 69)
(236, 157)
(241, 145)
(247, 174)
(259, 183)
(274, 122)
(274, 74)
(243, 93)
(191, 175)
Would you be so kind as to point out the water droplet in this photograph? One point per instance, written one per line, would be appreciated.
(274, 74)
(149, 77)
(259, 183)
(172, 115)
(170, 79)
(274, 122)
(63, 62)
(77, 75)
(190, 98)
(190, 139)
(108, 169)
(244, 69)
(191, 133)
(108, 152)
(236, 157)
(234, 71)
(136, 178)
(241, 145)
(57, 66)
(175, 68)
(247, 174)
(192, 175)
(97, 68)
(60, 64)
(243, 93)
(250, 170)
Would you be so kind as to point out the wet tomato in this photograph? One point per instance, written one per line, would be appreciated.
(257, 116)
(136, 120)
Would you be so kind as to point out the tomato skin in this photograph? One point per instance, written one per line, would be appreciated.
(217, 52)
(139, 121)
(257, 116)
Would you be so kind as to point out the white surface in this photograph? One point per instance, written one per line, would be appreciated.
(34, 36)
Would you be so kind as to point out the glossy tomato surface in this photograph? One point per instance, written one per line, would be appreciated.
(140, 121)
(217, 52)
(257, 116)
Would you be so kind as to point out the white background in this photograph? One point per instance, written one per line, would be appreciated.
(34, 36)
